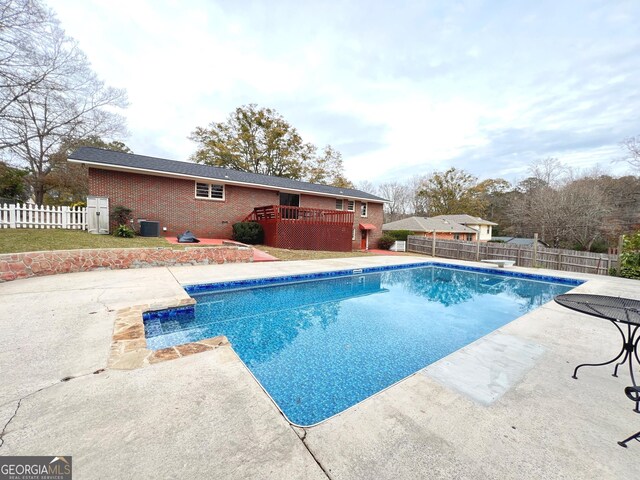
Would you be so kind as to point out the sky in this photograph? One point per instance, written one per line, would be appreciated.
(399, 88)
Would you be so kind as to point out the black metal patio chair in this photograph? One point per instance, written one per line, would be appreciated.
(633, 393)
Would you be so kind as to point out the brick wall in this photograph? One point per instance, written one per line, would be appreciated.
(172, 202)
(14, 266)
(374, 216)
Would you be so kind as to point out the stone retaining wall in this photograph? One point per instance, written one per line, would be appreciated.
(35, 264)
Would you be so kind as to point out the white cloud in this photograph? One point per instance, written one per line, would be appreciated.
(404, 88)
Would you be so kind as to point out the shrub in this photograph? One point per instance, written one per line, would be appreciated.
(386, 241)
(124, 231)
(400, 235)
(121, 215)
(248, 232)
(630, 256)
(599, 246)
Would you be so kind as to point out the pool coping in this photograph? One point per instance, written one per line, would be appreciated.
(129, 346)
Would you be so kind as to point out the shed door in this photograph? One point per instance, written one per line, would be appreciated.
(98, 215)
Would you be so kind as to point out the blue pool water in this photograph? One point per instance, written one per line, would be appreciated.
(321, 346)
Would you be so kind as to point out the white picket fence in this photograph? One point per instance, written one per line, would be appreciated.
(42, 216)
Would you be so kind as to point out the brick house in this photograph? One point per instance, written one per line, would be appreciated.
(425, 226)
(477, 224)
(209, 200)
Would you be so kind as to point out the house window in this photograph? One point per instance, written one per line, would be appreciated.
(469, 237)
(290, 199)
(351, 205)
(353, 235)
(339, 204)
(488, 229)
(363, 209)
(212, 191)
(456, 236)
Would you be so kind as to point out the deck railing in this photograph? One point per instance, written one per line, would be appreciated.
(285, 213)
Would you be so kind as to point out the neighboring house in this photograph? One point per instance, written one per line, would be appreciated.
(527, 242)
(445, 229)
(209, 200)
(476, 223)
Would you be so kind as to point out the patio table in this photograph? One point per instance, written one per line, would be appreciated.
(619, 311)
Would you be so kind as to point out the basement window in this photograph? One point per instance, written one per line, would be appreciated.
(211, 191)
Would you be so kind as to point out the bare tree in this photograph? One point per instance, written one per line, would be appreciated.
(25, 27)
(584, 206)
(418, 204)
(64, 101)
(367, 186)
(568, 212)
(549, 170)
(632, 153)
(398, 196)
(539, 211)
(623, 195)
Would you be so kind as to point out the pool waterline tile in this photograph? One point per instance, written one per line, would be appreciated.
(283, 279)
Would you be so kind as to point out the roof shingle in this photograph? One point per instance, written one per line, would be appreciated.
(426, 224)
(465, 219)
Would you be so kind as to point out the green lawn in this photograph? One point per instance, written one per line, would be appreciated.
(15, 240)
(284, 254)
(18, 240)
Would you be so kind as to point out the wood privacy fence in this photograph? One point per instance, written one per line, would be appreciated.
(524, 256)
(42, 216)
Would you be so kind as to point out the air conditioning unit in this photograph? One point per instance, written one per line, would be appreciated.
(149, 229)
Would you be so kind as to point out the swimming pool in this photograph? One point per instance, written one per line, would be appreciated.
(320, 345)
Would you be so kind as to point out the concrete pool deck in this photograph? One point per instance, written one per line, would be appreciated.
(504, 406)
